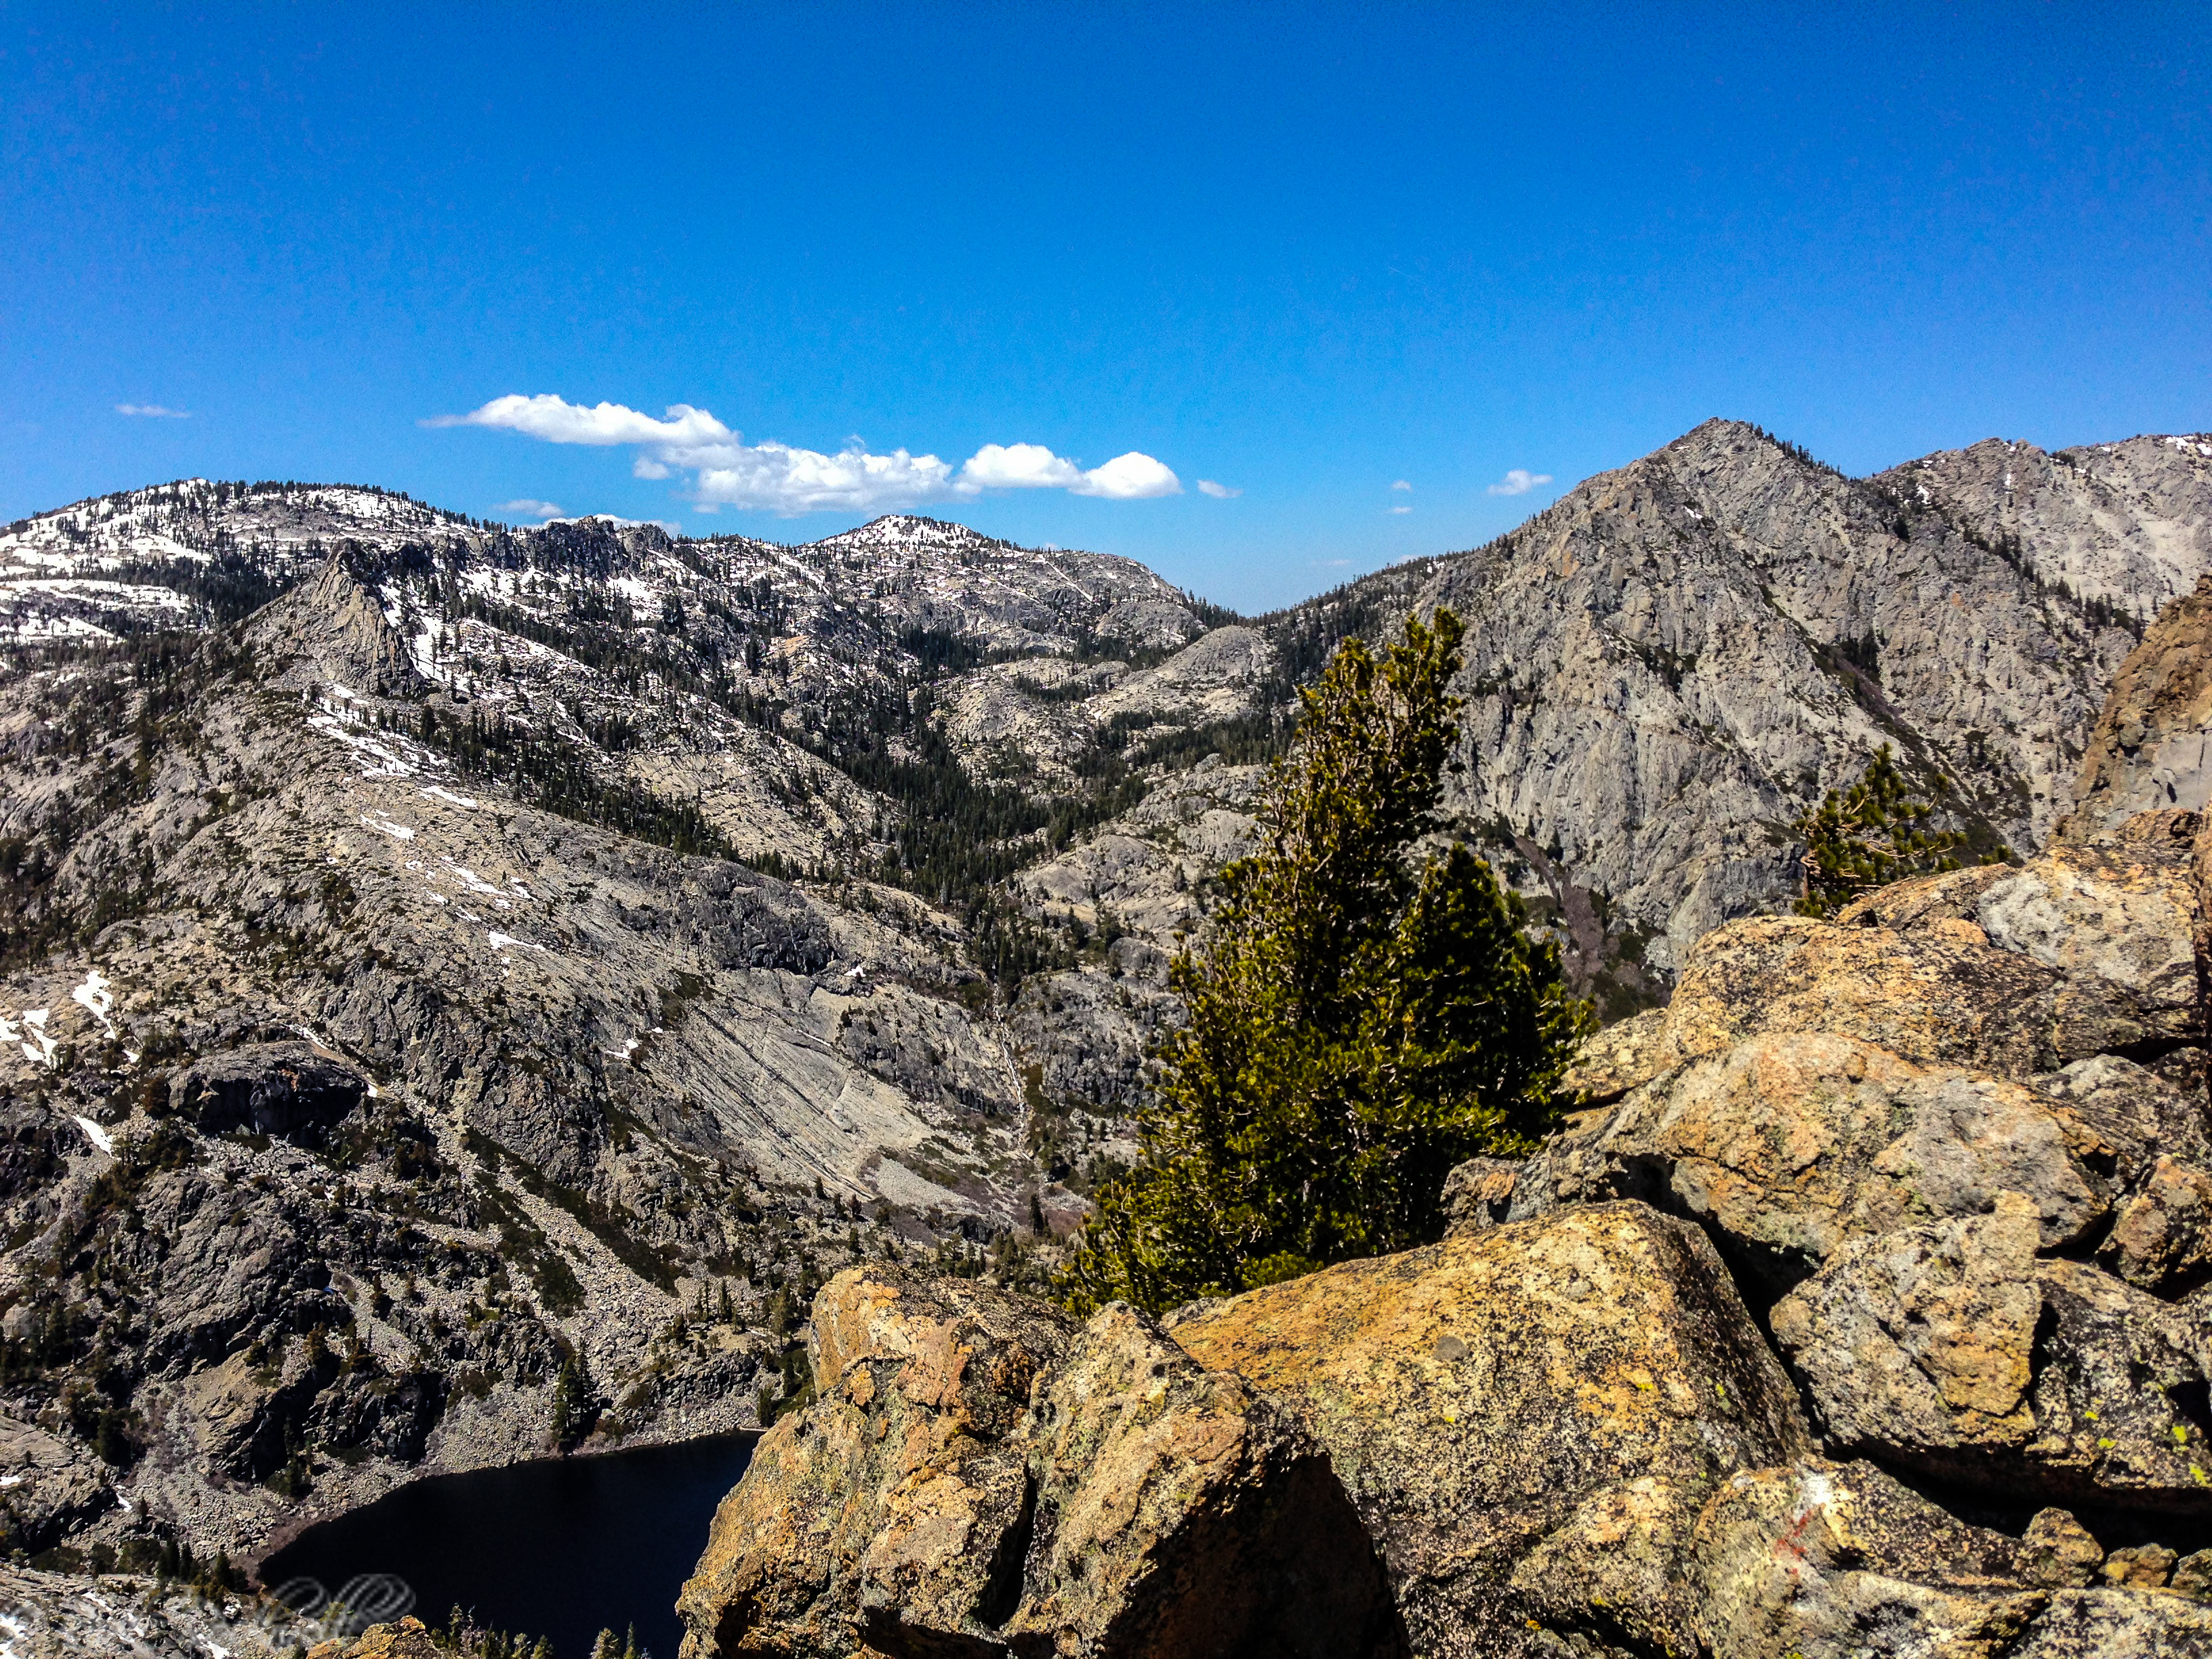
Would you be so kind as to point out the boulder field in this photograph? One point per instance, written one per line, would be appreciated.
(1864, 1308)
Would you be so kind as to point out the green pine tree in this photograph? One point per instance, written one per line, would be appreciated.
(1362, 1019)
(1870, 834)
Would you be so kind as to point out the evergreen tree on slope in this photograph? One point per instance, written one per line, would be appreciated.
(1361, 1020)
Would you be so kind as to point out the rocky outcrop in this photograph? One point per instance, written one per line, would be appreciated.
(48, 1488)
(2152, 746)
(46, 1616)
(1561, 1436)
(979, 1475)
(1877, 1263)
(1530, 1419)
(272, 1088)
(1955, 1145)
(333, 629)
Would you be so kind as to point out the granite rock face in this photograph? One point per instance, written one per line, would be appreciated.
(2151, 746)
(48, 1488)
(2129, 523)
(269, 1088)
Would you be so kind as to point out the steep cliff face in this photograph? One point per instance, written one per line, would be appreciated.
(2151, 746)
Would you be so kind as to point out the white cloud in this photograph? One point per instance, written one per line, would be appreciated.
(154, 411)
(787, 480)
(1519, 482)
(559, 421)
(1401, 509)
(1401, 484)
(1019, 466)
(529, 509)
(1220, 492)
(1130, 478)
(726, 472)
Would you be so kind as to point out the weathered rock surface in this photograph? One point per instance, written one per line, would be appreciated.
(48, 1488)
(60, 1616)
(1951, 1349)
(1530, 1419)
(2152, 746)
(1563, 1436)
(979, 1476)
(270, 1087)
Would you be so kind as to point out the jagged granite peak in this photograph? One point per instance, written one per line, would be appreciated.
(2127, 523)
(1667, 665)
(331, 630)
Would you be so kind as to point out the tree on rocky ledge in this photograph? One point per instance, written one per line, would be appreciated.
(1363, 1018)
(1870, 834)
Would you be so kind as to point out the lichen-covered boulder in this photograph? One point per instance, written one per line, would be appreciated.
(1840, 1561)
(1529, 1418)
(979, 1476)
(1788, 1144)
(887, 1501)
(2087, 949)
(1177, 1512)
(1953, 1349)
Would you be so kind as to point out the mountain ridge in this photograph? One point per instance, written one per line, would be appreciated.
(620, 933)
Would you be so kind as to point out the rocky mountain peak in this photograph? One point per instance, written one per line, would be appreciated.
(331, 628)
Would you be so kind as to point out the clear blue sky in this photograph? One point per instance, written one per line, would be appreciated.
(1305, 254)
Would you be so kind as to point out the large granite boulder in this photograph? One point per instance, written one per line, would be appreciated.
(1821, 1560)
(978, 1475)
(1530, 1419)
(1952, 1349)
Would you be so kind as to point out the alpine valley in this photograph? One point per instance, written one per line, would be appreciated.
(462, 988)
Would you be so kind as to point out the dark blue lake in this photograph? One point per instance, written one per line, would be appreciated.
(560, 1549)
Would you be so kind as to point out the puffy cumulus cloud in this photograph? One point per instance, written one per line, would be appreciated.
(1401, 484)
(727, 471)
(1220, 492)
(529, 509)
(1130, 478)
(153, 411)
(1019, 466)
(1401, 509)
(1519, 482)
(784, 479)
